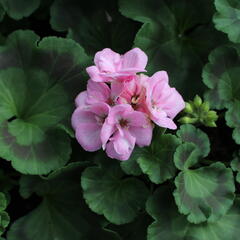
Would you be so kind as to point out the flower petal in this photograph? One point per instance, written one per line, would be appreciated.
(137, 119)
(88, 136)
(165, 123)
(94, 74)
(106, 132)
(143, 135)
(80, 100)
(107, 60)
(134, 61)
(97, 92)
(82, 116)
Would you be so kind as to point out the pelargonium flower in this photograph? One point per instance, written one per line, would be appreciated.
(120, 107)
(110, 65)
(122, 129)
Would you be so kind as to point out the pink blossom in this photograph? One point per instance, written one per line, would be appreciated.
(113, 66)
(163, 102)
(122, 129)
(119, 108)
(87, 122)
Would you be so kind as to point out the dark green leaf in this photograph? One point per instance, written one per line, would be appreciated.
(62, 214)
(222, 81)
(233, 120)
(18, 9)
(174, 37)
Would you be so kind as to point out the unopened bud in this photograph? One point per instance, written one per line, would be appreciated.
(188, 108)
(197, 101)
(187, 120)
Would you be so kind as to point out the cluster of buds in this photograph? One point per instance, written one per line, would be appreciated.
(198, 111)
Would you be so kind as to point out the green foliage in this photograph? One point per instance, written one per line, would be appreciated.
(221, 76)
(233, 120)
(171, 40)
(62, 214)
(107, 193)
(205, 193)
(227, 18)
(183, 186)
(18, 9)
(29, 132)
(157, 160)
(189, 133)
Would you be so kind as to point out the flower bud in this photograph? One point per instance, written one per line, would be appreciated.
(197, 101)
(188, 108)
(187, 120)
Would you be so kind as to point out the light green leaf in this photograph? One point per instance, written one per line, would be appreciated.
(119, 200)
(157, 160)
(62, 214)
(222, 81)
(227, 18)
(18, 9)
(205, 194)
(232, 117)
(189, 133)
(186, 155)
(173, 36)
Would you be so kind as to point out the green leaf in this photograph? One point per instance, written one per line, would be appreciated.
(105, 192)
(62, 213)
(34, 119)
(3, 202)
(222, 81)
(157, 160)
(226, 227)
(173, 36)
(189, 133)
(186, 155)
(18, 9)
(131, 166)
(232, 117)
(4, 221)
(94, 24)
(206, 193)
(169, 224)
(227, 18)
(235, 165)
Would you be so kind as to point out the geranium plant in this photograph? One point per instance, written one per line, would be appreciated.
(119, 120)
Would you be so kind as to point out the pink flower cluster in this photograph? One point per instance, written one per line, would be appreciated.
(119, 107)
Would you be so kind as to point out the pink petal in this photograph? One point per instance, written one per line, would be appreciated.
(137, 119)
(166, 123)
(100, 109)
(116, 113)
(80, 100)
(143, 135)
(94, 74)
(107, 60)
(97, 92)
(82, 116)
(160, 76)
(134, 61)
(106, 132)
(121, 147)
(173, 103)
(88, 136)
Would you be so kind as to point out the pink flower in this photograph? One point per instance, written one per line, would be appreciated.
(122, 129)
(113, 66)
(87, 122)
(134, 93)
(163, 102)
